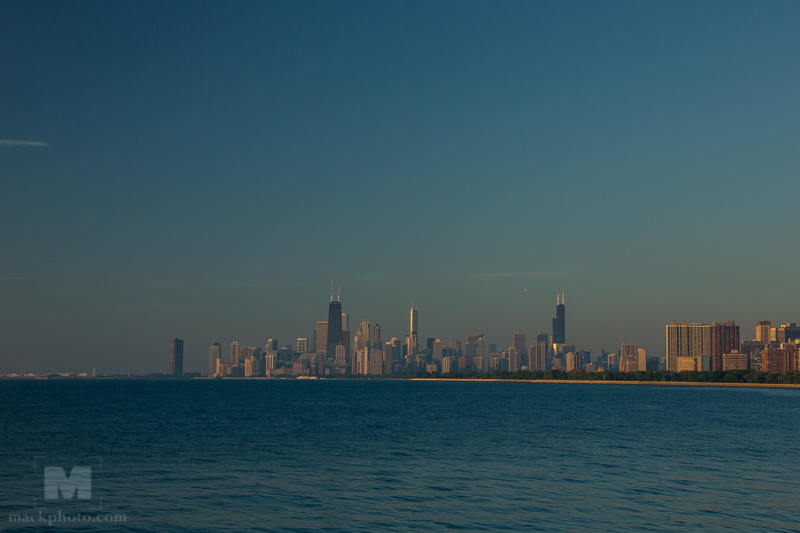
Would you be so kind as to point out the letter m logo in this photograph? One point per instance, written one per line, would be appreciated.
(78, 483)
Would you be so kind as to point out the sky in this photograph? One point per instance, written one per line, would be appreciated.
(203, 170)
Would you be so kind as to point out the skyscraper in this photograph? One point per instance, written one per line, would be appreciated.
(559, 322)
(346, 344)
(214, 353)
(537, 354)
(363, 352)
(413, 343)
(513, 359)
(475, 349)
(234, 360)
(334, 333)
(176, 357)
(436, 353)
(302, 345)
(341, 360)
(519, 345)
(688, 340)
(628, 357)
(788, 332)
(388, 361)
(376, 337)
(725, 339)
(321, 337)
(762, 330)
(375, 361)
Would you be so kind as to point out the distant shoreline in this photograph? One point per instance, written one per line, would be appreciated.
(601, 382)
(470, 380)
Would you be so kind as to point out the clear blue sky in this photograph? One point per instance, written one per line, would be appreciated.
(209, 167)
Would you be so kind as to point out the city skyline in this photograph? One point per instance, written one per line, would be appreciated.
(202, 174)
(684, 341)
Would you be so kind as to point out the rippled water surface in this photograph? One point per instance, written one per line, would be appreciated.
(286, 455)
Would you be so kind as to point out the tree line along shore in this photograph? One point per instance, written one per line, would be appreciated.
(791, 377)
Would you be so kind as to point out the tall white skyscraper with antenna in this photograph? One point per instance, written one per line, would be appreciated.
(413, 343)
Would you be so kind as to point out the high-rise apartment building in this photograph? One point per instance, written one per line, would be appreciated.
(176, 357)
(559, 322)
(456, 347)
(537, 355)
(642, 354)
(376, 338)
(363, 353)
(574, 361)
(735, 361)
(302, 345)
(762, 330)
(388, 359)
(397, 350)
(779, 361)
(753, 350)
(628, 357)
(322, 337)
(513, 359)
(471, 350)
(787, 333)
(677, 344)
(724, 339)
(346, 344)
(475, 348)
(518, 342)
(436, 354)
(214, 353)
(376, 361)
(688, 340)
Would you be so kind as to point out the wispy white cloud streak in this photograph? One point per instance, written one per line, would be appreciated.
(10, 142)
(531, 274)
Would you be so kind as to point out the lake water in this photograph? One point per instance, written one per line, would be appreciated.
(372, 456)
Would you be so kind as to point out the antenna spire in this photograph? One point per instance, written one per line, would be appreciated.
(338, 294)
(331, 290)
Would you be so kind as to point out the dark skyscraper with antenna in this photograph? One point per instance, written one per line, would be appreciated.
(559, 322)
(334, 327)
